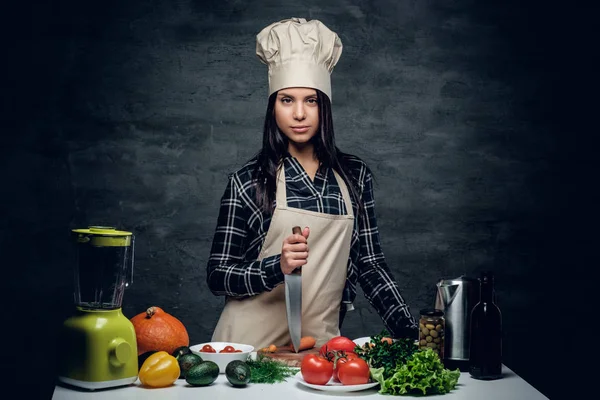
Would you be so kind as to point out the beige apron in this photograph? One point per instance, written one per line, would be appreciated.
(261, 320)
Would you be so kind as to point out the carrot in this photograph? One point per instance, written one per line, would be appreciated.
(389, 340)
(271, 349)
(306, 343)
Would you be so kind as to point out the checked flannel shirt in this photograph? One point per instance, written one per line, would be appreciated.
(233, 269)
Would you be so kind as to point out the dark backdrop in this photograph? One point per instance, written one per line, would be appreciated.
(132, 113)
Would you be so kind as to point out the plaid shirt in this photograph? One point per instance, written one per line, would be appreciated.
(234, 270)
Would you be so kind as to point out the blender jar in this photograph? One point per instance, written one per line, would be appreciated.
(104, 267)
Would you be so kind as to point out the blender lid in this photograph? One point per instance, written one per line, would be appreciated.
(104, 236)
(102, 230)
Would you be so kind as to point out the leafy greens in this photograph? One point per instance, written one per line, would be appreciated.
(380, 353)
(268, 370)
(423, 372)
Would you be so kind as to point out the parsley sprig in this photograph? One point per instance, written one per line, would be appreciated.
(383, 354)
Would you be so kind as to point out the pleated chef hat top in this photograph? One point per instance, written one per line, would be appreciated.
(299, 53)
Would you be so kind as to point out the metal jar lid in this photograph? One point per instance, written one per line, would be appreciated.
(432, 312)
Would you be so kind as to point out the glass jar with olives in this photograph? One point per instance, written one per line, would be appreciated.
(431, 330)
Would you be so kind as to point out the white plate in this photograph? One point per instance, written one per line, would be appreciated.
(366, 339)
(362, 340)
(332, 386)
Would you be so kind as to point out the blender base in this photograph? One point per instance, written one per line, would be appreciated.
(97, 385)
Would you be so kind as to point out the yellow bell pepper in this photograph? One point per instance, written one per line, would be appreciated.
(159, 370)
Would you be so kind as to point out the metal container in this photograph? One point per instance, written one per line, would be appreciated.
(457, 297)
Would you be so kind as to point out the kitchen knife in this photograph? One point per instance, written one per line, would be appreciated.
(293, 301)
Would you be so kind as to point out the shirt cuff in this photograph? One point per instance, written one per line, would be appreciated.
(271, 271)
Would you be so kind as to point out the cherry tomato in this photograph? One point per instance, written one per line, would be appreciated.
(338, 343)
(228, 349)
(316, 369)
(354, 372)
(207, 348)
(341, 358)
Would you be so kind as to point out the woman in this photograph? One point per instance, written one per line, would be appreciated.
(299, 178)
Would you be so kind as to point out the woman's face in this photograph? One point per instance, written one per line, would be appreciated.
(297, 115)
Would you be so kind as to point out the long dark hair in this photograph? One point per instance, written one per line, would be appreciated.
(275, 147)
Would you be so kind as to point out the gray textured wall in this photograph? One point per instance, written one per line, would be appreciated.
(133, 113)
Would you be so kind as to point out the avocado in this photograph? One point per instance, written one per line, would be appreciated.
(202, 374)
(178, 352)
(237, 373)
(187, 361)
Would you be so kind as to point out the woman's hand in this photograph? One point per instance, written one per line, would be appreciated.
(294, 251)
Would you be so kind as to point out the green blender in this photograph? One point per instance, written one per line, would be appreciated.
(98, 346)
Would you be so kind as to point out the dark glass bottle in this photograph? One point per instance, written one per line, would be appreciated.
(485, 353)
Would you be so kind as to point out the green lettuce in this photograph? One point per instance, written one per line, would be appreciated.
(423, 372)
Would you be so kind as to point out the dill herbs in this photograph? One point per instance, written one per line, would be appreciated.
(268, 370)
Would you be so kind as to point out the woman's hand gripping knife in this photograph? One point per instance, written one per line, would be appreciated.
(294, 251)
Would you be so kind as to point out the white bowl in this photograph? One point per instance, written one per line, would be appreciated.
(222, 359)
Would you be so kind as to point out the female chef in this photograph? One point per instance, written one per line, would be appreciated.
(299, 178)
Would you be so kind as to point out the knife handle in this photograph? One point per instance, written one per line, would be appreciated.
(296, 230)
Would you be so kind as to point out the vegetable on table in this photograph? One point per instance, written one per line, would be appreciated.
(238, 373)
(268, 370)
(158, 330)
(316, 369)
(202, 374)
(423, 373)
(271, 349)
(159, 370)
(340, 358)
(181, 351)
(354, 371)
(382, 354)
(338, 343)
(186, 362)
(228, 349)
(207, 348)
(306, 343)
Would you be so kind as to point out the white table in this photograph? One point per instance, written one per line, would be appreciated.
(511, 386)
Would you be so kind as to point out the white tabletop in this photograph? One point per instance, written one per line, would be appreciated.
(511, 386)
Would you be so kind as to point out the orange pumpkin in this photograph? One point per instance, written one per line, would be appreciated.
(156, 330)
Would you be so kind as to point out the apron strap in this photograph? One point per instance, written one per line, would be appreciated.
(345, 193)
(281, 194)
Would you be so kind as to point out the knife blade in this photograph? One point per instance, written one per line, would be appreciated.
(293, 301)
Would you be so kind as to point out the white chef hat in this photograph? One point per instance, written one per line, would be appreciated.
(299, 53)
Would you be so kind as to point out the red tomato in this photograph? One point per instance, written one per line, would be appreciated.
(354, 372)
(228, 349)
(342, 357)
(207, 348)
(316, 370)
(338, 343)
